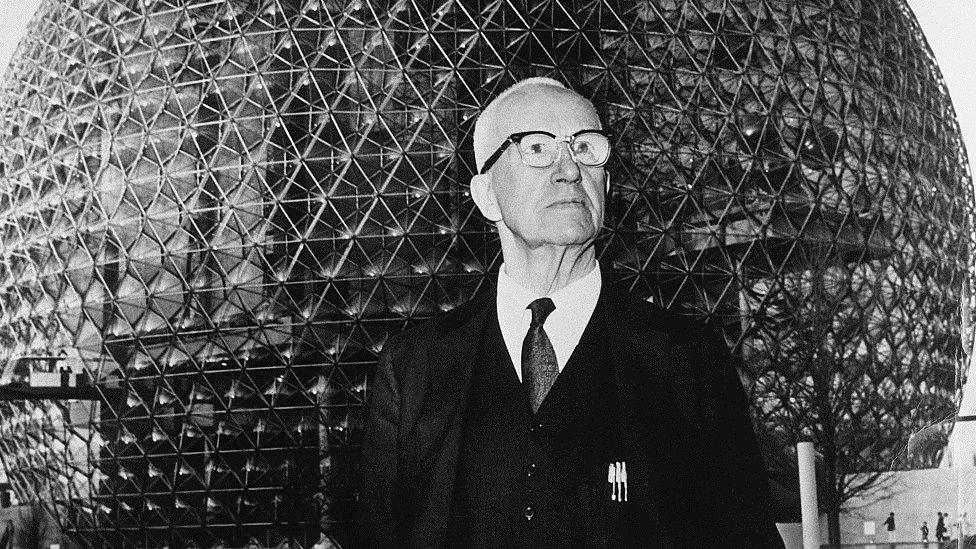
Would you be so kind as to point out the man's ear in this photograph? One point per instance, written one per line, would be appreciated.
(483, 193)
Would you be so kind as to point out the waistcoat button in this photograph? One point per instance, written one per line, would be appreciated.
(530, 469)
(529, 512)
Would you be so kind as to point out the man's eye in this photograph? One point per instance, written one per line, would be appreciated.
(582, 148)
(535, 148)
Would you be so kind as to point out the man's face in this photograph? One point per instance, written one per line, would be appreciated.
(558, 205)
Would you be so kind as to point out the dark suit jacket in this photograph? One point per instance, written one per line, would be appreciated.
(691, 448)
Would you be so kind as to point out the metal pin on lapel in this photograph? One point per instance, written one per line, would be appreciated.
(623, 477)
(619, 487)
(613, 484)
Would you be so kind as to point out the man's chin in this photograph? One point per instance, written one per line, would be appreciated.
(569, 236)
(556, 231)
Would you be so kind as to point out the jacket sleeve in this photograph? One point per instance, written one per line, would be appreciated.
(378, 521)
(743, 479)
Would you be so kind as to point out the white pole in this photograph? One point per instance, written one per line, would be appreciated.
(808, 495)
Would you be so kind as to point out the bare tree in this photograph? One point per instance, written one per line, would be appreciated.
(850, 371)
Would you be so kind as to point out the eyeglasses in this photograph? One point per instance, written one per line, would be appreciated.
(542, 149)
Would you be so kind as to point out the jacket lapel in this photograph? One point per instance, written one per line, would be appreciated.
(433, 443)
(650, 414)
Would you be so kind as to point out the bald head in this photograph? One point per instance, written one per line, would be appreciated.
(493, 124)
(554, 205)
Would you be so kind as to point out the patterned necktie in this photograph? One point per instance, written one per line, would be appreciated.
(539, 368)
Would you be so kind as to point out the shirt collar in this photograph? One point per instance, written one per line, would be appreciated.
(580, 295)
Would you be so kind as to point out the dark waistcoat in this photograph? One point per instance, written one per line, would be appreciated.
(540, 480)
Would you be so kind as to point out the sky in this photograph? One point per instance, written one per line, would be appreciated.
(13, 19)
(949, 26)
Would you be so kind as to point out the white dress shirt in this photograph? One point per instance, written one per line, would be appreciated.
(564, 326)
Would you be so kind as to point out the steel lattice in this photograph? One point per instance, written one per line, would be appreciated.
(224, 208)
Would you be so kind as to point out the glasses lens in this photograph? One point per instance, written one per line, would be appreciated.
(538, 150)
(591, 149)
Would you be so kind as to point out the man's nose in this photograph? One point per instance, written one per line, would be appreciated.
(567, 170)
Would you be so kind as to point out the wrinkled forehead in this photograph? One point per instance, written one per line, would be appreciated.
(545, 108)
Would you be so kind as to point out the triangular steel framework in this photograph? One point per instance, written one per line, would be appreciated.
(225, 208)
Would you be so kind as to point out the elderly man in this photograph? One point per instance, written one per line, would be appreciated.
(553, 411)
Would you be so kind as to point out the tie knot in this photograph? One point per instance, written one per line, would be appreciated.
(540, 310)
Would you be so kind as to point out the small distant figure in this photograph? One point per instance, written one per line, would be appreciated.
(925, 531)
(957, 529)
(940, 528)
(890, 526)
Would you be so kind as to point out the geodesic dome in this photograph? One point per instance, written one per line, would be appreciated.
(221, 210)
